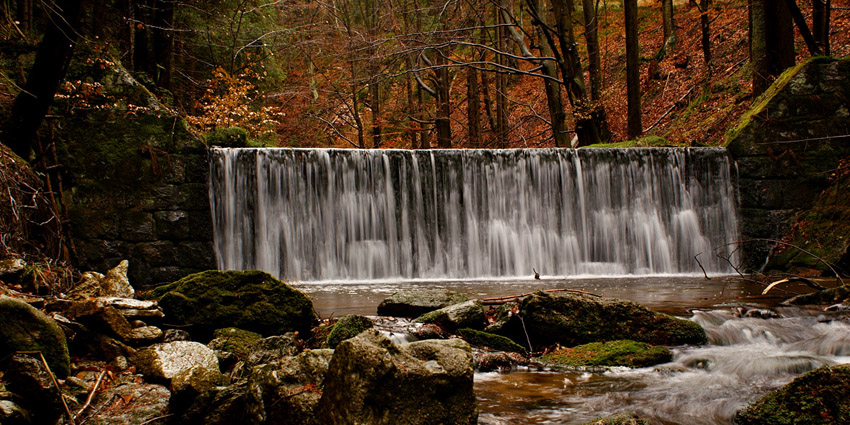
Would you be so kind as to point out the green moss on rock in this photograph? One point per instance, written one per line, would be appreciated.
(250, 300)
(235, 340)
(23, 328)
(575, 319)
(826, 296)
(347, 327)
(821, 396)
(230, 137)
(492, 341)
(615, 353)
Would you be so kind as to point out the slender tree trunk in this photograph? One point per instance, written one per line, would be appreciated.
(375, 95)
(669, 28)
(51, 62)
(501, 82)
(706, 33)
(797, 15)
(632, 69)
(473, 108)
(771, 41)
(591, 36)
(443, 119)
(141, 44)
(488, 101)
(553, 97)
(820, 23)
(163, 41)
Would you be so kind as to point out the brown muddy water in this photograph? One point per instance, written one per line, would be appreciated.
(746, 357)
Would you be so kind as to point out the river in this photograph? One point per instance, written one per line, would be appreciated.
(745, 358)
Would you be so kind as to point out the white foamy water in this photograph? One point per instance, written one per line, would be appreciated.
(319, 214)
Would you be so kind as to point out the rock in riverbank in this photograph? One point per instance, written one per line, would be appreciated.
(416, 302)
(614, 353)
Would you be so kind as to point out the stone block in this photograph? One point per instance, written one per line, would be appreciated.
(194, 255)
(172, 225)
(137, 227)
(157, 253)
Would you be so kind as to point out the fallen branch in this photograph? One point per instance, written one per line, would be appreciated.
(503, 300)
(55, 383)
(91, 394)
(810, 283)
(696, 257)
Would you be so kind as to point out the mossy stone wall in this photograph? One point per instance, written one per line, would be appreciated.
(786, 148)
(137, 190)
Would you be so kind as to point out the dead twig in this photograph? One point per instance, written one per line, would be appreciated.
(91, 394)
(696, 257)
(810, 283)
(55, 383)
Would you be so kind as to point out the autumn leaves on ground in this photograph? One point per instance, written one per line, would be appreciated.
(326, 94)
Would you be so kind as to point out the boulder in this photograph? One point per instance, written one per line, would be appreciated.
(575, 319)
(132, 308)
(416, 302)
(821, 396)
(620, 419)
(250, 300)
(614, 353)
(468, 314)
(823, 297)
(224, 406)
(290, 390)
(188, 384)
(163, 362)
(130, 404)
(98, 314)
(23, 328)
(492, 341)
(488, 361)
(347, 327)
(11, 268)
(28, 379)
(371, 380)
(13, 414)
(114, 284)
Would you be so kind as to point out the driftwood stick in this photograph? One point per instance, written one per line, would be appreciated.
(91, 394)
(810, 283)
(502, 300)
(696, 257)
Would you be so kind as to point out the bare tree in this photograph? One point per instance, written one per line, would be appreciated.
(632, 69)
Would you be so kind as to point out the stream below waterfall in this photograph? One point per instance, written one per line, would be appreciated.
(746, 357)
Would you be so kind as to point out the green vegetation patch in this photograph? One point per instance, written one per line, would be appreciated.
(492, 341)
(347, 327)
(615, 353)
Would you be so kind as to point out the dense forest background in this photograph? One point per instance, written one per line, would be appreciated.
(420, 73)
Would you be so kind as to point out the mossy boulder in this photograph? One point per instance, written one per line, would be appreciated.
(416, 302)
(370, 380)
(614, 353)
(347, 327)
(575, 319)
(234, 340)
(468, 314)
(250, 300)
(821, 396)
(620, 419)
(23, 328)
(492, 341)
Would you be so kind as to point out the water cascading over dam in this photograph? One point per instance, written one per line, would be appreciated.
(334, 214)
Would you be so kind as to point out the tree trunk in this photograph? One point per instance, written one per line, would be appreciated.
(473, 108)
(141, 45)
(668, 27)
(51, 62)
(771, 41)
(811, 44)
(553, 97)
(375, 104)
(591, 36)
(820, 23)
(163, 41)
(706, 34)
(443, 119)
(632, 69)
(501, 82)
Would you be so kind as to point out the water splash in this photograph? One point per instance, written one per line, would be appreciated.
(319, 214)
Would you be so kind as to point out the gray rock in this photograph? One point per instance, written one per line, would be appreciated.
(114, 284)
(132, 308)
(172, 335)
(290, 390)
(371, 380)
(469, 314)
(28, 379)
(165, 361)
(620, 419)
(23, 328)
(11, 267)
(416, 302)
(346, 327)
(145, 334)
(13, 414)
(190, 383)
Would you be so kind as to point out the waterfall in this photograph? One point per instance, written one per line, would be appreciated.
(339, 214)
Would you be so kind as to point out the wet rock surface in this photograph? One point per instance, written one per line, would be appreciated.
(468, 314)
(415, 302)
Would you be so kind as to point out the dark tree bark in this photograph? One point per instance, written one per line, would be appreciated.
(375, 105)
(142, 61)
(501, 81)
(820, 23)
(632, 69)
(443, 119)
(473, 108)
(811, 44)
(163, 41)
(706, 33)
(591, 36)
(771, 41)
(669, 28)
(43, 79)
